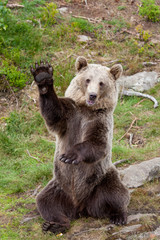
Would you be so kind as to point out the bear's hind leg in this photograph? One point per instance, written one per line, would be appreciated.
(56, 208)
(109, 199)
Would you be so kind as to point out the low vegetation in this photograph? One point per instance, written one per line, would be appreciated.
(36, 32)
(150, 10)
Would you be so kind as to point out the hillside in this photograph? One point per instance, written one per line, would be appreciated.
(114, 32)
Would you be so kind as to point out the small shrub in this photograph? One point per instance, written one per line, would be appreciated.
(150, 10)
(15, 78)
(81, 25)
(4, 13)
(49, 12)
(144, 35)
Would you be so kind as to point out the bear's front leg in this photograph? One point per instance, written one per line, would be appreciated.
(43, 76)
(50, 105)
(92, 149)
(85, 151)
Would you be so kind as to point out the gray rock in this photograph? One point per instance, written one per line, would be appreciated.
(63, 10)
(83, 38)
(146, 235)
(136, 175)
(139, 82)
(157, 231)
(137, 217)
(128, 229)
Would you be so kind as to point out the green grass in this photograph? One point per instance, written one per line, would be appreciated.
(147, 126)
(118, 24)
(23, 136)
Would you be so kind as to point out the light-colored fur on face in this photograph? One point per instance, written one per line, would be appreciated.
(94, 79)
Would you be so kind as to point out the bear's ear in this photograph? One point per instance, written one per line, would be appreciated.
(81, 62)
(116, 71)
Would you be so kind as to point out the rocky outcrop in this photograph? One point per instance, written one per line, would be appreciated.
(138, 174)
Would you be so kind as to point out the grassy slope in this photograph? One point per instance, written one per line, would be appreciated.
(22, 131)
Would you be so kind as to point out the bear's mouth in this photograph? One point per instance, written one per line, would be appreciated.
(90, 102)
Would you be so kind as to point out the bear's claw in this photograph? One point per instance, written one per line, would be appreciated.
(52, 227)
(70, 159)
(119, 219)
(42, 72)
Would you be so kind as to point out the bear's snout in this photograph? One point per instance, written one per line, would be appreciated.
(92, 96)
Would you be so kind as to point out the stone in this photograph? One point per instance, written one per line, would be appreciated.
(137, 217)
(157, 231)
(128, 229)
(63, 10)
(83, 38)
(146, 235)
(136, 175)
(149, 64)
(139, 82)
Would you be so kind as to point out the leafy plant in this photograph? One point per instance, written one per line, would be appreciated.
(150, 10)
(144, 35)
(81, 25)
(4, 12)
(49, 12)
(15, 78)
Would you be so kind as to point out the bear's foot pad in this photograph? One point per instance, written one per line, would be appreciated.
(42, 73)
(52, 227)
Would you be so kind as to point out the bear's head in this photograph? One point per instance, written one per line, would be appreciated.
(94, 85)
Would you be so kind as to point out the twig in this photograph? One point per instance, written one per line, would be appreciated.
(33, 157)
(35, 191)
(120, 161)
(111, 62)
(130, 139)
(32, 99)
(32, 84)
(132, 123)
(92, 20)
(11, 91)
(14, 5)
(39, 21)
(139, 102)
(148, 64)
(27, 219)
(138, 94)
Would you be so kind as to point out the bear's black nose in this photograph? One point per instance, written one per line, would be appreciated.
(92, 96)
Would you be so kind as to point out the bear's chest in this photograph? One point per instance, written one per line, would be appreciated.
(77, 127)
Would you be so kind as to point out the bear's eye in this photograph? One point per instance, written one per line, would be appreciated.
(88, 80)
(101, 84)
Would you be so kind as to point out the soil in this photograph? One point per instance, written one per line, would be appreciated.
(106, 10)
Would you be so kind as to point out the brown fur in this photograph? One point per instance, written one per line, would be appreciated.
(85, 181)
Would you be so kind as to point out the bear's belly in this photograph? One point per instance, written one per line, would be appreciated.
(78, 181)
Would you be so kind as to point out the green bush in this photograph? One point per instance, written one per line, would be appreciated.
(4, 12)
(150, 10)
(15, 78)
(82, 25)
(49, 12)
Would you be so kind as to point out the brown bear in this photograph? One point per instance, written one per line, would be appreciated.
(85, 182)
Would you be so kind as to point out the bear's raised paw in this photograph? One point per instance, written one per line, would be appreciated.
(43, 75)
